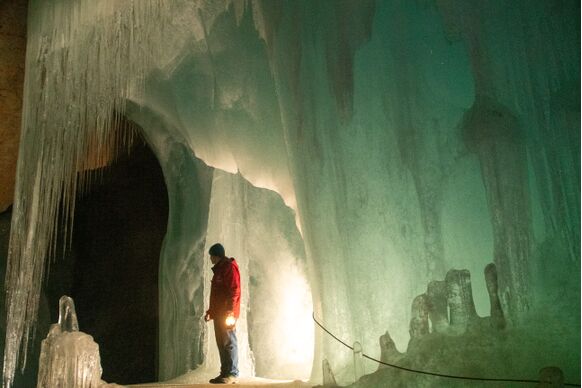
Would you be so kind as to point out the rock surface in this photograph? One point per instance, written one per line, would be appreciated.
(12, 56)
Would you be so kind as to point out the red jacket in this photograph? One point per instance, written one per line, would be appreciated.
(225, 289)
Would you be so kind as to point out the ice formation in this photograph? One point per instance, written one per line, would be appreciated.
(69, 358)
(466, 345)
(407, 136)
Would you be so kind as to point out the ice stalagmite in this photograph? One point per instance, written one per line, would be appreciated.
(496, 312)
(69, 358)
(467, 351)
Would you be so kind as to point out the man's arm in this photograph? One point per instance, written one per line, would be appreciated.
(232, 283)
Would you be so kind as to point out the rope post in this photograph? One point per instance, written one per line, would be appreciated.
(358, 361)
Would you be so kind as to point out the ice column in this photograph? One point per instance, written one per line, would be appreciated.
(492, 130)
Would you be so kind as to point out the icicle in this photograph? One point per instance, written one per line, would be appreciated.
(82, 64)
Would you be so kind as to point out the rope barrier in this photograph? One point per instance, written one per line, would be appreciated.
(432, 373)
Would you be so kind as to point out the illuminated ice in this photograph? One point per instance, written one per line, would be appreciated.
(69, 358)
(406, 137)
(467, 348)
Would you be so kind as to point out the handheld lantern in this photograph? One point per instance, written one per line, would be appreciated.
(230, 321)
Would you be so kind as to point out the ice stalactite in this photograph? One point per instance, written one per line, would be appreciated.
(420, 126)
(554, 107)
(523, 73)
(550, 54)
(495, 134)
(70, 100)
(84, 60)
(313, 74)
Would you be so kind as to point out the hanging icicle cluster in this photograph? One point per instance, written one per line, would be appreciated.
(76, 81)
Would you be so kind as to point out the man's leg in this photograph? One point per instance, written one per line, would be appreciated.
(227, 348)
(219, 334)
(231, 352)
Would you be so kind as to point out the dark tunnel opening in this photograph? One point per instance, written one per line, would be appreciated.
(111, 268)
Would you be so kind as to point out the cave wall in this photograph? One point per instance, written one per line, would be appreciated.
(12, 54)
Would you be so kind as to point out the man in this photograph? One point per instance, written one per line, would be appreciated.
(224, 310)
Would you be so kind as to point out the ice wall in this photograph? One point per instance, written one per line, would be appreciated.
(189, 184)
(408, 136)
(275, 330)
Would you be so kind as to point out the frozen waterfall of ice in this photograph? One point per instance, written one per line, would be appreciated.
(408, 137)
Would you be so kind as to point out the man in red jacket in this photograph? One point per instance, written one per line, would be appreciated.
(224, 310)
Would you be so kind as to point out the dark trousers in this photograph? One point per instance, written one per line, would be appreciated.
(227, 348)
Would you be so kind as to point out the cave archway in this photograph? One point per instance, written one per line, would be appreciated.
(208, 205)
(111, 267)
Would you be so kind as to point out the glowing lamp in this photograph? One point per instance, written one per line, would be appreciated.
(230, 321)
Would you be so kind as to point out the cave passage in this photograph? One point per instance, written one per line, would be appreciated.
(111, 270)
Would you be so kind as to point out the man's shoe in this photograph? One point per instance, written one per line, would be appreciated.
(224, 380)
(215, 380)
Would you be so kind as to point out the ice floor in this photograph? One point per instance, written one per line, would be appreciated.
(247, 382)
